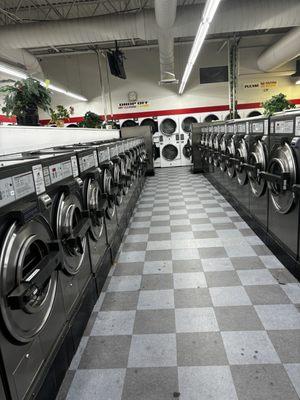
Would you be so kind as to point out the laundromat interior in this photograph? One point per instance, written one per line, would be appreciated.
(149, 199)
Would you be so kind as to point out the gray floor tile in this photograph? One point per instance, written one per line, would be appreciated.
(134, 268)
(157, 282)
(131, 256)
(124, 283)
(97, 384)
(180, 266)
(138, 231)
(120, 301)
(212, 252)
(158, 255)
(150, 383)
(189, 280)
(106, 352)
(222, 278)
(185, 254)
(256, 277)
(157, 350)
(279, 316)
(216, 264)
(113, 323)
(157, 267)
(206, 382)
(226, 225)
(185, 298)
(287, 345)
(77, 357)
(244, 347)
(181, 228)
(142, 238)
(292, 290)
(267, 294)
(195, 320)
(205, 348)
(134, 247)
(63, 390)
(240, 263)
(155, 299)
(271, 261)
(154, 321)
(283, 276)
(293, 371)
(263, 382)
(154, 237)
(90, 324)
(159, 245)
(229, 296)
(238, 318)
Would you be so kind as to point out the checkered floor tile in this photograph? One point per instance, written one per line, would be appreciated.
(196, 307)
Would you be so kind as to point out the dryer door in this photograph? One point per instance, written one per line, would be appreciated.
(28, 278)
(282, 164)
(71, 229)
(186, 124)
(242, 155)
(257, 160)
(168, 127)
(169, 152)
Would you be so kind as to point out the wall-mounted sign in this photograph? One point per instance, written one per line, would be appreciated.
(264, 85)
(133, 105)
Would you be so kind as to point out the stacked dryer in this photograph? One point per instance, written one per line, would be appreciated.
(169, 141)
(185, 124)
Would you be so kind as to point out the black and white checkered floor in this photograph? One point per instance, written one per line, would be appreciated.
(196, 307)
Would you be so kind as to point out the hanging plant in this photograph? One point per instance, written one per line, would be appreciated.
(276, 104)
(59, 115)
(23, 98)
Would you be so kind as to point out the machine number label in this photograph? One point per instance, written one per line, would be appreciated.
(285, 126)
(74, 166)
(7, 193)
(297, 126)
(38, 179)
(23, 185)
(258, 127)
(86, 162)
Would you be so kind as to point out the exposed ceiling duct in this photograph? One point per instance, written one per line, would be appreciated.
(286, 49)
(165, 14)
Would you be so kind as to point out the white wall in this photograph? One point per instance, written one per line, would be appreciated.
(79, 73)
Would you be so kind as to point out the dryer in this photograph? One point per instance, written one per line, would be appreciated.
(128, 122)
(157, 139)
(33, 316)
(282, 174)
(169, 141)
(149, 121)
(185, 122)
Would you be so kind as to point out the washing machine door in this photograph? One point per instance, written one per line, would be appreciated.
(187, 150)
(168, 127)
(223, 165)
(186, 124)
(230, 153)
(169, 152)
(282, 164)
(95, 204)
(71, 229)
(28, 277)
(150, 122)
(129, 123)
(107, 188)
(242, 155)
(257, 161)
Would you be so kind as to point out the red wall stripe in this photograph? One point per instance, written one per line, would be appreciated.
(157, 113)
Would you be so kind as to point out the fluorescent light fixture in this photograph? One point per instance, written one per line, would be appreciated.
(207, 16)
(298, 82)
(22, 75)
(13, 71)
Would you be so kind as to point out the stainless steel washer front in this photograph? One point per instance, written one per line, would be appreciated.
(257, 158)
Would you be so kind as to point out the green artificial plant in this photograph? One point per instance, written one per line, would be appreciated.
(276, 104)
(58, 115)
(23, 98)
(91, 120)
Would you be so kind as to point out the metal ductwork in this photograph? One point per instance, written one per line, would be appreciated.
(286, 49)
(24, 58)
(165, 14)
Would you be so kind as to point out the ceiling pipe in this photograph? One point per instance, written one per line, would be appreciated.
(283, 51)
(165, 14)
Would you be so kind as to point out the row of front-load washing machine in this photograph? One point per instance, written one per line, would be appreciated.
(257, 163)
(63, 212)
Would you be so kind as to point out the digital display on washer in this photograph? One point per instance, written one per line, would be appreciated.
(57, 172)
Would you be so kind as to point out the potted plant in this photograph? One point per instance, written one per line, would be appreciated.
(91, 120)
(276, 104)
(59, 115)
(23, 99)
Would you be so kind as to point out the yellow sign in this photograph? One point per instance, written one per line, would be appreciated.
(264, 85)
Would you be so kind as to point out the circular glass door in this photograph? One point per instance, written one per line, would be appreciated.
(93, 201)
(186, 124)
(150, 122)
(107, 188)
(169, 152)
(242, 155)
(282, 161)
(168, 127)
(23, 249)
(223, 165)
(68, 217)
(257, 157)
(230, 152)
